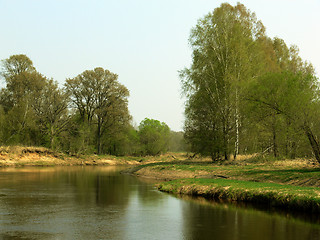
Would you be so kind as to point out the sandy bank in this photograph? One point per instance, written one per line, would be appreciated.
(38, 156)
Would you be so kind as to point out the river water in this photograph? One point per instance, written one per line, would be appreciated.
(101, 203)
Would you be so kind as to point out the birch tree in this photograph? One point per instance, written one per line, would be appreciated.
(224, 45)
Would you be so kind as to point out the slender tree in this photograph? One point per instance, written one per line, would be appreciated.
(224, 47)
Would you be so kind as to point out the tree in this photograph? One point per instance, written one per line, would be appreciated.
(15, 65)
(2, 122)
(224, 47)
(51, 109)
(21, 77)
(295, 97)
(247, 91)
(203, 126)
(22, 83)
(100, 100)
(276, 86)
(154, 136)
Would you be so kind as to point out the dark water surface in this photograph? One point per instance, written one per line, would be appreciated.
(100, 203)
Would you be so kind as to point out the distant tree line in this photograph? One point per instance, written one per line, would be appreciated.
(89, 114)
(248, 93)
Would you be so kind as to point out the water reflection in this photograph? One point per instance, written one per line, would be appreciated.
(73, 203)
(229, 221)
(100, 203)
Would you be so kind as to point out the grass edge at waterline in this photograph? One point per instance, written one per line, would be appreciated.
(272, 194)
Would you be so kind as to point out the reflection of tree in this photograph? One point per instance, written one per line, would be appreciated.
(88, 203)
(36, 187)
(64, 200)
(111, 190)
(93, 186)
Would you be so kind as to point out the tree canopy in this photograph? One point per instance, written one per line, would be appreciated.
(89, 114)
(246, 92)
(100, 100)
(154, 136)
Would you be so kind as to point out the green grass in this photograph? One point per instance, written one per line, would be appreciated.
(293, 175)
(278, 195)
(292, 184)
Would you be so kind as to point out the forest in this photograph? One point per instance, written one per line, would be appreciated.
(87, 115)
(245, 93)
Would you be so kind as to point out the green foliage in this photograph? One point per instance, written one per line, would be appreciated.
(246, 92)
(224, 46)
(177, 142)
(35, 111)
(75, 139)
(89, 115)
(154, 136)
(51, 110)
(2, 124)
(23, 82)
(286, 105)
(101, 102)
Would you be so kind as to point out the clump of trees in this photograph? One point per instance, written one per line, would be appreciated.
(246, 92)
(89, 114)
(154, 136)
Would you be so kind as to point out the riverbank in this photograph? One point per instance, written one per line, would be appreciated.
(271, 194)
(291, 184)
(17, 156)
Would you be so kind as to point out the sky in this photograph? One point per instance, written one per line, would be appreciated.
(145, 42)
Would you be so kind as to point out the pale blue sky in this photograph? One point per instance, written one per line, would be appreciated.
(144, 41)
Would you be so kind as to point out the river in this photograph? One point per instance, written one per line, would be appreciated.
(100, 203)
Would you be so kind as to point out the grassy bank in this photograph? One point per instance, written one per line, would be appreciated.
(277, 195)
(284, 183)
(298, 172)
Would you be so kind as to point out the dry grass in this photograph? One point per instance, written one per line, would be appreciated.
(298, 163)
(18, 150)
(18, 156)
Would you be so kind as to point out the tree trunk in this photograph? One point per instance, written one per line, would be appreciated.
(313, 142)
(225, 144)
(236, 143)
(287, 139)
(52, 137)
(99, 137)
(274, 137)
(293, 150)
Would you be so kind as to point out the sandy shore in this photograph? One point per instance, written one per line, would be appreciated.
(37, 156)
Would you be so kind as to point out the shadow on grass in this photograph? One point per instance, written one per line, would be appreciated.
(179, 162)
(283, 171)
